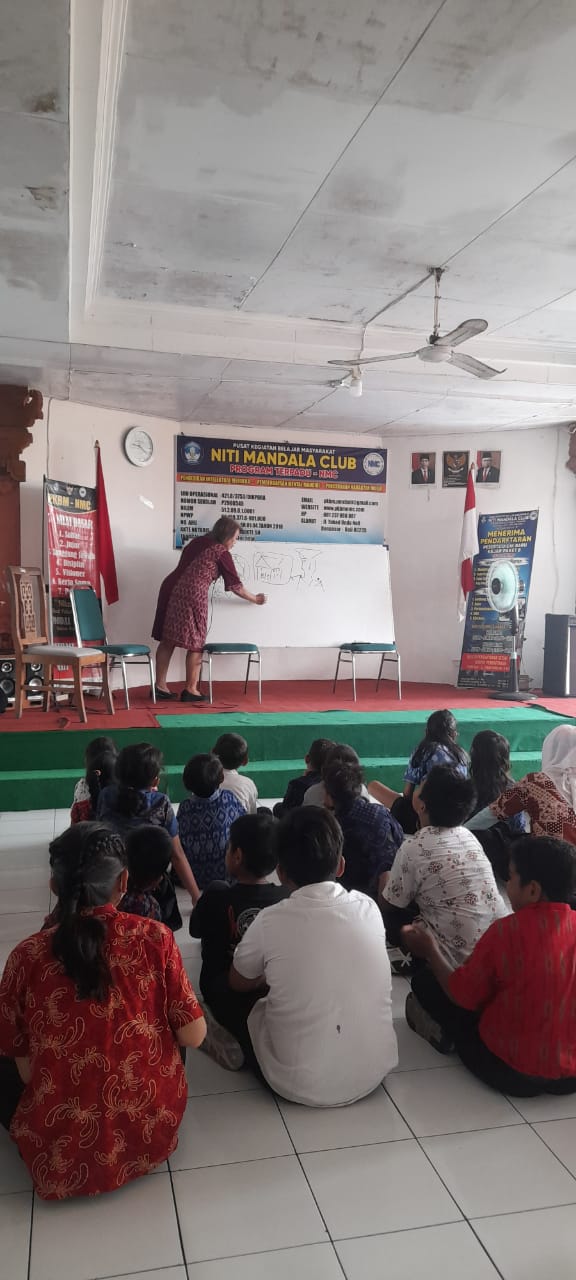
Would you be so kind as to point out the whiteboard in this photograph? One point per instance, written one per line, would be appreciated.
(318, 595)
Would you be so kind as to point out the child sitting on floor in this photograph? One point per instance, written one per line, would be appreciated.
(99, 762)
(232, 752)
(510, 1010)
(221, 917)
(134, 799)
(371, 835)
(442, 874)
(297, 787)
(337, 753)
(150, 892)
(205, 818)
(322, 1033)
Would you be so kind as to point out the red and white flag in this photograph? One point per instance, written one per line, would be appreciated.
(104, 544)
(468, 547)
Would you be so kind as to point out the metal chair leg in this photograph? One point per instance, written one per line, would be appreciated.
(247, 674)
(125, 682)
(210, 676)
(354, 674)
(380, 671)
(337, 670)
(399, 677)
(259, 677)
(152, 677)
(107, 688)
(79, 692)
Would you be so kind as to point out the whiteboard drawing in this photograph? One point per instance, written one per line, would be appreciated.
(272, 569)
(306, 585)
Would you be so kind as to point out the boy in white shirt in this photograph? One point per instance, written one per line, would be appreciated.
(322, 1034)
(232, 752)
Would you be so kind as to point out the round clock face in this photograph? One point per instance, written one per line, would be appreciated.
(138, 447)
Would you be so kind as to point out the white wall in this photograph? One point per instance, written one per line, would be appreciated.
(422, 528)
(424, 536)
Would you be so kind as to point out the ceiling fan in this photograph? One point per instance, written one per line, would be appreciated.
(438, 349)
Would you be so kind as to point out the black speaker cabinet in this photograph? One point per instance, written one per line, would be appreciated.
(34, 677)
(559, 679)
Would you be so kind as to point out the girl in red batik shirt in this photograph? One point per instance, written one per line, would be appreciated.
(181, 620)
(92, 1014)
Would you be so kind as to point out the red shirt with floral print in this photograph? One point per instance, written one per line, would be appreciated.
(108, 1089)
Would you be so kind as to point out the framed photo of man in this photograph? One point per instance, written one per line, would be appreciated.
(423, 468)
(488, 462)
(455, 466)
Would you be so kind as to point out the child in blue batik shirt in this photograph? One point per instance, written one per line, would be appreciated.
(205, 818)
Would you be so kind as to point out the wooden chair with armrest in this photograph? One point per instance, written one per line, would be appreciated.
(29, 619)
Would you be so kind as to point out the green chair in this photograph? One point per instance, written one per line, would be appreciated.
(349, 653)
(211, 651)
(90, 629)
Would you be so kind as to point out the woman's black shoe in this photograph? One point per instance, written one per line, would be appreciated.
(186, 696)
(162, 695)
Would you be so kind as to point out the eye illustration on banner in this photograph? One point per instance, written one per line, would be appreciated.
(138, 447)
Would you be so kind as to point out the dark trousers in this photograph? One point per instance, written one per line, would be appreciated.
(11, 1090)
(394, 920)
(232, 1010)
(461, 1026)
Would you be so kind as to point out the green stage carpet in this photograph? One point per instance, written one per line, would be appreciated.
(38, 770)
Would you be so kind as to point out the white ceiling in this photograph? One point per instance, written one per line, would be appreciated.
(251, 182)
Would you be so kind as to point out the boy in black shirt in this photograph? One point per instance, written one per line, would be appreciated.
(223, 913)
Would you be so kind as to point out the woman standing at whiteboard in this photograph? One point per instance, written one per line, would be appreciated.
(181, 620)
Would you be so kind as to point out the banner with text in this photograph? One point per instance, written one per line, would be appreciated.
(505, 542)
(71, 545)
(279, 493)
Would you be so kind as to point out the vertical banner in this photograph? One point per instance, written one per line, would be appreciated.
(279, 492)
(70, 511)
(502, 573)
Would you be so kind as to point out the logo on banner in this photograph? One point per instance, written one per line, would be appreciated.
(192, 452)
(374, 464)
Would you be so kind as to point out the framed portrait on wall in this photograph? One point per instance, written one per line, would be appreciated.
(488, 464)
(423, 468)
(455, 469)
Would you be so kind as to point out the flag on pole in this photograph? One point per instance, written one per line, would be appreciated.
(468, 547)
(104, 544)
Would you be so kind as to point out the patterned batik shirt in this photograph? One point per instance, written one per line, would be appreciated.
(204, 826)
(107, 1089)
(445, 871)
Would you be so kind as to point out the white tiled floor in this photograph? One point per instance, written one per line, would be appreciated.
(433, 1173)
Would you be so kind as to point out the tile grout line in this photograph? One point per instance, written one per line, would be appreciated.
(29, 1268)
(178, 1227)
(308, 1184)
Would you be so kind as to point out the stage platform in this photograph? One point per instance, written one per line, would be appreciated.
(41, 755)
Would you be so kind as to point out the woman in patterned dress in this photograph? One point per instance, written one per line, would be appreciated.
(549, 796)
(181, 620)
(92, 1016)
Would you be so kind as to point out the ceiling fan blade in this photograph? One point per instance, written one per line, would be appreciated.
(404, 355)
(470, 365)
(468, 329)
(355, 364)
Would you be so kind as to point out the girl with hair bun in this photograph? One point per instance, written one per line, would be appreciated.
(93, 1014)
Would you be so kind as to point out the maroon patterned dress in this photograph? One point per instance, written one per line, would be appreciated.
(182, 609)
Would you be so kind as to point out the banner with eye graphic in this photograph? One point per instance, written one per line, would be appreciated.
(496, 612)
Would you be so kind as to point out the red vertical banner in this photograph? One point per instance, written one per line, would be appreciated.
(71, 551)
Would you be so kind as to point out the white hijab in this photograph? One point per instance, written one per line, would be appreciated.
(559, 761)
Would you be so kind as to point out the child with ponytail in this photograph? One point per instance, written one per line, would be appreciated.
(92, 1017)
